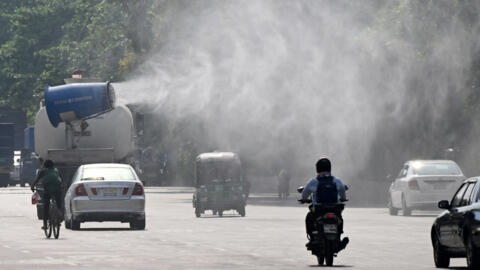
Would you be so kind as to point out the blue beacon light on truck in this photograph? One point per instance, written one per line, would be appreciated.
(77, 101)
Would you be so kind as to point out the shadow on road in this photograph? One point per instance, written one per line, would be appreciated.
(423, 215)
(224, 216)
(420, 213)
(334, 266)
(106, 229)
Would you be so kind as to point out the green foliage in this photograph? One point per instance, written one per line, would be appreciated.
(43, 41)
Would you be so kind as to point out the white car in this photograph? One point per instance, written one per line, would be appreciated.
(105, 192)
(421, 184)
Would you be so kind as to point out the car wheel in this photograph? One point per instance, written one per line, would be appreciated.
(391, 210)
(137, 224)
(74, 224)
(68, 224)
(406, 211)
(441, 258)
(473, 259)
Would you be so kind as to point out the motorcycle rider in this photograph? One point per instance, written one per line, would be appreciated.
(325, 189)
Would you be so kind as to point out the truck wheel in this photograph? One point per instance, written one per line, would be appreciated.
(4, 179)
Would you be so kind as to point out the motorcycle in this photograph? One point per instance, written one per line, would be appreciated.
(325, 241)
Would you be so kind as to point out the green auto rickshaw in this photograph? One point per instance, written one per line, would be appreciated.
(219, 184)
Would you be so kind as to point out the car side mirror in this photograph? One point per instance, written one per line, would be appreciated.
(444, 204)
(300, 189)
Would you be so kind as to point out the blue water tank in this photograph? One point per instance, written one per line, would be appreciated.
(76, 101)
(29, 138)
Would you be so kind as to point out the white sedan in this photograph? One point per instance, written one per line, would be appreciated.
(105, 192)
(421, 184)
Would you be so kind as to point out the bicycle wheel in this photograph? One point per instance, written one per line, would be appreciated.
(48, 228)
(56, 228)
(55, 217)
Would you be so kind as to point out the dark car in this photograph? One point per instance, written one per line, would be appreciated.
(456, 231)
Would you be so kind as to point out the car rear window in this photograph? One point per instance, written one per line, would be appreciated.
(435, 169)
(107, 173)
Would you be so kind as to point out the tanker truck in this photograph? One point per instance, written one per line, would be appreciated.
(80, 124)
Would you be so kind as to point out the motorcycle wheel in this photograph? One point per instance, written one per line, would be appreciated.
(328, 254)
(320, 259)
(198, 212)
(220, 213)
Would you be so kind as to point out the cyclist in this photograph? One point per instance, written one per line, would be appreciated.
(52, 183)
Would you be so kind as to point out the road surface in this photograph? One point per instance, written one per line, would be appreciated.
(271, 236)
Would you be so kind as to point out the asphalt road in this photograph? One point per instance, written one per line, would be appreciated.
(271, 236)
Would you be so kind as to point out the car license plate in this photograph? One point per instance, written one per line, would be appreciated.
(109, 192)
(329, 228)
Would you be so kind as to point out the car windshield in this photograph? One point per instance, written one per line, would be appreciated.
(107, 173)
(420, 168)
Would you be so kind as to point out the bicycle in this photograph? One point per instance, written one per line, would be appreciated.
(54, 220)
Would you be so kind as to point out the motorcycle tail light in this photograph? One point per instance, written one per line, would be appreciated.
(330, 216)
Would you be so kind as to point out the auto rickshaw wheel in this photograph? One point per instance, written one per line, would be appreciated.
(241, 211)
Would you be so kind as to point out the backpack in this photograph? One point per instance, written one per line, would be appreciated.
(326, 190)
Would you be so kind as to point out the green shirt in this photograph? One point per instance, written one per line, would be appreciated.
(51, 180)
